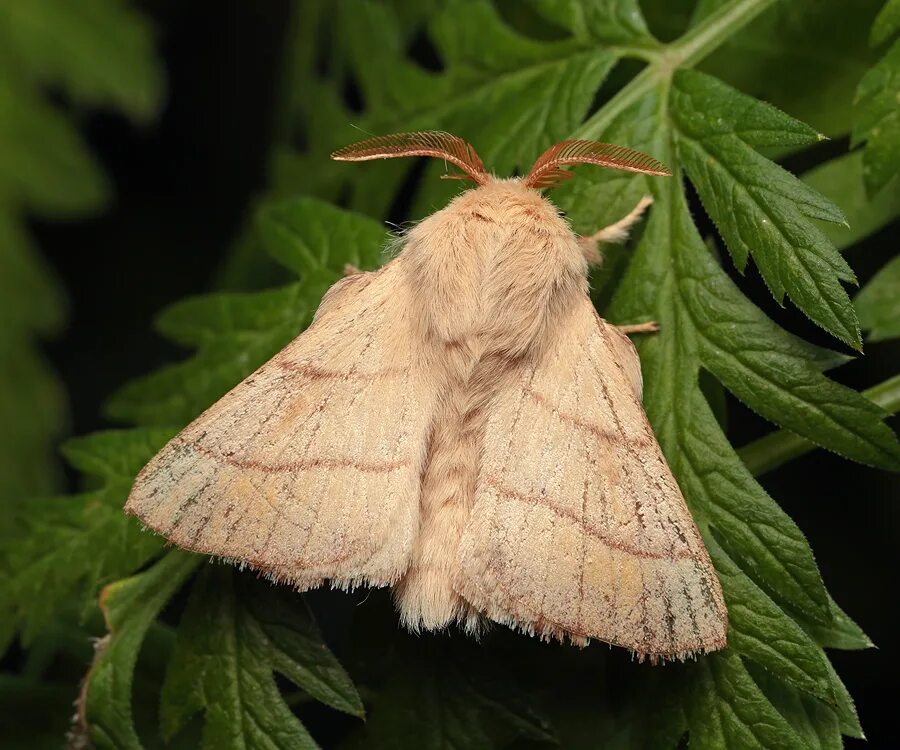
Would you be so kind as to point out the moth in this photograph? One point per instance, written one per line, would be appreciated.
(462, 426)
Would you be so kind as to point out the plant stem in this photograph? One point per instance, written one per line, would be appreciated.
(641, 84)
(697, 43)
(778, 448)
(708, 35)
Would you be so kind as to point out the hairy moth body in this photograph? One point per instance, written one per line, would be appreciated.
(462, 426)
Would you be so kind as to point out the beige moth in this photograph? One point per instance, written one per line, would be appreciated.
(462, 426)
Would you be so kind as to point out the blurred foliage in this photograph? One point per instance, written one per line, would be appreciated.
(56, 59)
(246, 666)
(877, 116)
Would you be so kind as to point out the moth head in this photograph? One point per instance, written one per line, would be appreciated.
(548, 171)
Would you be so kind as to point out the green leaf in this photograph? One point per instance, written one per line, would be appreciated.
(32, 404)
(130, 606)
(523, 83)
(43, 163)
(845, 708)
(231, 638)
(841, 180)
(84, 49)
(313, 237)
(877, 120)
(771, 549)
(887, 23)
(114, 456)
(726, 709)
(768, 370)
(760, 209)
(841, 632)
(31, 407)
(804, 56)
(781, 446)
(811, 719)
(764, 633)
(878, 304)
(99, 51)
(30, 293)
(71, 546)
(237, 332)
(536, 91)
(296, 649)
(608, 21)
(447, 696)
(704, 108)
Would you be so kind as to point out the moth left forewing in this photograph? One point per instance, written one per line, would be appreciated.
(308, 469)
(578, 529)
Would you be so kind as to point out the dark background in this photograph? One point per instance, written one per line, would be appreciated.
(182, 189)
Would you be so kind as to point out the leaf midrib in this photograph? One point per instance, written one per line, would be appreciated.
(695, 45)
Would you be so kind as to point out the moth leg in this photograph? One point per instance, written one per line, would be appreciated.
(650, 326)
(351, 270)
(617, 232)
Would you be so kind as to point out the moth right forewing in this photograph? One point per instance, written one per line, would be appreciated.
(624, 353)
(579, 529)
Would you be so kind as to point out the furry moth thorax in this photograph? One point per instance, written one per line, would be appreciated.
(494, 265)
(462, 426)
